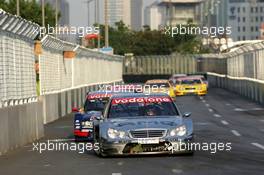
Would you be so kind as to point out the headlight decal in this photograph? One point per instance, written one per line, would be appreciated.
(113, 133)
(179, 131)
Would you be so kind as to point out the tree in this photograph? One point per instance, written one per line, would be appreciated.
(150, 42)
(30, 10)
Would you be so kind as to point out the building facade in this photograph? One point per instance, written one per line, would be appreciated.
(153, 16)
(243, 16)
(119, 10)
(173, 12)
(136, 14)
(128, 11)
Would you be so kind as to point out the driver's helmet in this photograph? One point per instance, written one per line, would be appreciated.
(151, 110)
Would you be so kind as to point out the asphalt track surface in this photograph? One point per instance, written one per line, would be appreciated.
(218, 117)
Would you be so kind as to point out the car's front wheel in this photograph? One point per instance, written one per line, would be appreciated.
(97, 140)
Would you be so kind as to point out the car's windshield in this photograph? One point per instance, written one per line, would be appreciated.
(142, 107)
(96, 102)
(94, 105)
(189, 82)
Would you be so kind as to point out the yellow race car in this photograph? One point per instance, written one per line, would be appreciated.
(190, 85)
(160, 85)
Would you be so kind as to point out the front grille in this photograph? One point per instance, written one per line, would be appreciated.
(189, 88)
(147, 133)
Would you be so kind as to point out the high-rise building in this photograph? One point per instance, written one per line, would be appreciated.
(181, 11)
(119, 10)
(136, 14)
(214, 12)
(173, 12)
(243, 16)
(153, 16)
(262, 31)
(63, 8)
(128, 11)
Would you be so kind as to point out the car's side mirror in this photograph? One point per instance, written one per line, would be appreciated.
(187, 114)
(99, 117)
(75, 109)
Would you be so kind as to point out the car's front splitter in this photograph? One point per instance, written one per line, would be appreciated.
(130, 147)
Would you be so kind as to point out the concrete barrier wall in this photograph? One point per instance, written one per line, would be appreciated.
(58, 105)
(20, 125)
(249, 88)
(23, 124)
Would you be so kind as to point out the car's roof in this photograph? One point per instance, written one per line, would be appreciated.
(190, 78)
(200, 76)
(98, 92)
(158, 81)
(131, 95)
(179, 75)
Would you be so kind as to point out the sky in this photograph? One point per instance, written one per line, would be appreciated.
(79, 12)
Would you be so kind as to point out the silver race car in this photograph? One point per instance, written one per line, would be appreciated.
(142, 124)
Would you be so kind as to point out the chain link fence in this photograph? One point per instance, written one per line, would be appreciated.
(17, 60)
(160, 64)
(56, 73)
(245, 62)
(87, 68)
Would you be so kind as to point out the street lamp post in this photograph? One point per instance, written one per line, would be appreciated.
(88, 8)
(56, 17)
(18, 8)
(43, 12)
(106, 24)
(97, 21)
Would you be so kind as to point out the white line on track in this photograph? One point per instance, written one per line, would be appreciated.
(27, 146)
(63, 127)
(207, 105)
(252, 109)
(120, 163)
(201, 98)
(236, 133)
(116, 173)
(240, 109)
(176, 171)
(261, 120)
(258, 145)
(258, 109)
(204, 101)
(201, 123)
(217, 115)
(210, 110)
(61, 140)
(224, 122)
